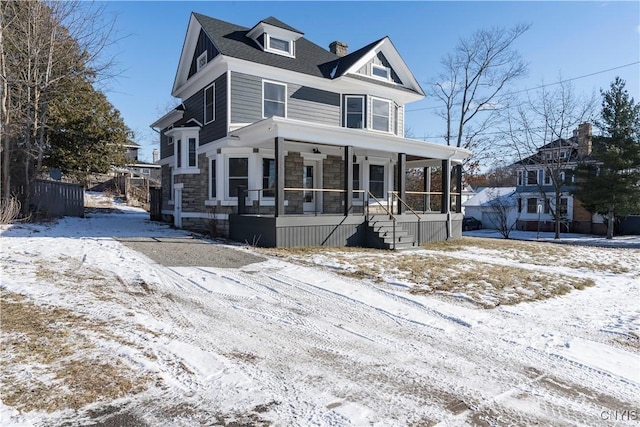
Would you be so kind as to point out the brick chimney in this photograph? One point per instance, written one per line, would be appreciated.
(339, 48)
(584, 140)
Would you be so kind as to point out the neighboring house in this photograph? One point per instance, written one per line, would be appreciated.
(490, 203)
(535, 192)
(310, 141)
(138, 168)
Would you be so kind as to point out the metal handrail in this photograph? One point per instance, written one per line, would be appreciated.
(393, 217)
(397, 196)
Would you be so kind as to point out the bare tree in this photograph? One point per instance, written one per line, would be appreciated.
(543, 133)
(502, 211)
(472, 84)
(43, 45)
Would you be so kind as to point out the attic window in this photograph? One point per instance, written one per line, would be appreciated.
(201, 61)
(279, 46)
(380, 71)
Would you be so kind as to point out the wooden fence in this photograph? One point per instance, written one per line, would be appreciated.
(58, 199)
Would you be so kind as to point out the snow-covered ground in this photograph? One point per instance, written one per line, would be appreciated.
(277, 342)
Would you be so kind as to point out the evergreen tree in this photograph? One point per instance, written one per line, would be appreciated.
(610, 184)
(86, 134)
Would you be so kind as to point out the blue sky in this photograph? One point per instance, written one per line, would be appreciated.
(568, 39)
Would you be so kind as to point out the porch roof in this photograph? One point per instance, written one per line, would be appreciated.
(264, 132)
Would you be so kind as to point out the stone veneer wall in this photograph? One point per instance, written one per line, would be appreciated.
(333, 178)
(293, 163)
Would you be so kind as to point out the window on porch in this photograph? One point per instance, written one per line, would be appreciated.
(376, 180)
(268, 177)
(238, 174)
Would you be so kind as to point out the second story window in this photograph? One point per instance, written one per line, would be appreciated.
(354, 112)
(274, 97)
(380, 115)
(209, 104)
(532, 177)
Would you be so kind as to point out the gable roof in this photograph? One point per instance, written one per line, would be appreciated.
(231, 40)
(277, 23)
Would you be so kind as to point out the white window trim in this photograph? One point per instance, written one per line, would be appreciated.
(389, 117)
(183, 136)
(233, 200)
(170, 140)
(204, 112)
(198, 66)
(286, 96)
(365, 173)
(381, 67)
(346, 99)
(268, 48)
(209, 198)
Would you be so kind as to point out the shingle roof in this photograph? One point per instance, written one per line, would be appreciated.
(231, 40)
(277, 23)
(347, 61)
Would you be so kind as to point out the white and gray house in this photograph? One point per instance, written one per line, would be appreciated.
(279, 142)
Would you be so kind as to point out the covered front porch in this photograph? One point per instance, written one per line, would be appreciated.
(328, 186)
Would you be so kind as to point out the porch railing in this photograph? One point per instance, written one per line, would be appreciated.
(387, 211)
(417, 202)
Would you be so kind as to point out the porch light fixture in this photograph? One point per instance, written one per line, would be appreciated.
(316, 151)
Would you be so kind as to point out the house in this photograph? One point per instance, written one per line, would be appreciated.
(139, 168)
(536, 192)
(280, 142)
(490, 204)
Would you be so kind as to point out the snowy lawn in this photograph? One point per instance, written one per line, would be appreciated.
(473, 332)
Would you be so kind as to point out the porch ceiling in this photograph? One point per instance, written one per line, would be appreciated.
(420, 153)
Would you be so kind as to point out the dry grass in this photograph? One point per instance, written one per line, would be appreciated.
(50, 362)
(441, 271)
(541, 253)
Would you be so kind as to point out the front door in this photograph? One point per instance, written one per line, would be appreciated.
(311, 199)
(177, 207)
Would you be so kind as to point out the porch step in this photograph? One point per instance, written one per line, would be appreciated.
(382, 227)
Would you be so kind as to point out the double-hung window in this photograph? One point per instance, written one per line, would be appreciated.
(532, 177)
(268, 177)
(179, 153)
(354, 112)
(213, 182)
(209, 104)
(193, 157)
(274, 97)
(380, 114)
(238, 174)
(532, 205)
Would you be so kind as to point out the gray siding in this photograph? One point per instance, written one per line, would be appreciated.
(203, 44)
(303, 103)
(194, 109)
(382, 61)
(218, 128)
(166, 150)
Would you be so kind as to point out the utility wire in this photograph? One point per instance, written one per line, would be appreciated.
(545, 85)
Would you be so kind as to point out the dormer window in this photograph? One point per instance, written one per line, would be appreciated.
(276, 37)
(380, 72)
(279, 46)
(201, 61)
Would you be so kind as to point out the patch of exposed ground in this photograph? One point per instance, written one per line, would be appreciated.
(51, 362)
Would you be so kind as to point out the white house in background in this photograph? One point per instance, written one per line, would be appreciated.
(483, 206)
